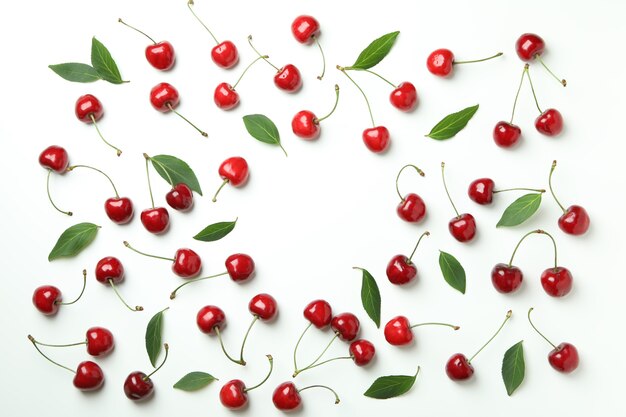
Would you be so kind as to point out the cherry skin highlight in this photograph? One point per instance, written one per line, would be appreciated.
(506, 135)
(346, 326)
(89, 376)
(47, 299)
(319, 313)
(564, 358)
(505, 278)
(54, 158)
(458, 367)
(119, 210)
(100, 341)
(138, 387)
(362, 352)
(481, 191)
(528, 46)
(180, 197)
(557, 282)
(240, 267)
(376, 139)
(210, 317)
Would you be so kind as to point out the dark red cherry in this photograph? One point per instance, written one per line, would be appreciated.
(263, 306)
(47, 299)
(411, 208)
(506, 134)
(138, 386)
(119, 209)
(163, 96)
(400, 270)
(88, 106)
(463, 227)
(304, 125)
(233, 394)
(288, 79)
(180, 197)
(557, 282)
(187, 263)
(210, 317)
(319, 313)
(89, 376)
(100, 341)
(404, 97)
(155, 220)
(440, 62)
(346, 326)
(225, 54)
(54, 158)
(240, 267)
(505, 278)
(528, 46)
(564, 358)
(109, 268)
(398, 331)
(481, 190)
(376, 138)
(161, 55)
(225, 96)
(286, 397)
(458, 368)
(304, 28)
(362, 352)
(549, 123)
(575, 220)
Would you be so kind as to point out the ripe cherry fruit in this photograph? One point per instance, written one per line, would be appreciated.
(287, 78)
(411, 207)
(400, 269)
(164, 98)
(286, 396)
(463, 226)
(319, 314)
(110, 271)
(234, 171)
(186, 263)
(156, 220)
(48, 298)
(507, 134)
(99, 341)
(234, 394)
(211, 320)
(398, 330)
(530, 46)
(224, 54)
(481, 191)
(138, 386)
(361, 352)
(89, 109)
(564, 357)
(549, 122)
(306, 30)
(54, 159)
(441, 61)
(346, 326)
(160, 54)
(575, 220)
(262, 307)
(225, 95)
(306, 125)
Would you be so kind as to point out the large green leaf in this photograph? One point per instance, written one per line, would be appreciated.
(263, 129)
(452, 271)
(73, 240)
(520, 210)
(175, 171)
(375, 51)
(452, 124)
(215, 231)
(370, 297)
(76, 72)
(154, 334)
(104, 63)
(391, 386)
(513, 367)
(194, 381)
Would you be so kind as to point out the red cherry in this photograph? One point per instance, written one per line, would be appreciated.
(319, 313)
(506, 278)
(288, 78)
(376, 138)
(164, 97)
(89, 376)
(440, 62)
(54, 158)
(549, 123)
(209, 317)
(564, 358)
(233, 394)
(138, 386)
(47, 299)
(574, 221)
(286, 397)
(263, 306)
(481, 190)
(240, 267)
(398, 331)
(458, 367)
(400, 270)
(362, 352)
(225, 96)
(557, 282)
(305, 125)
(235, 170)
(305, 28)
(463, 227)
(506, 134)
(346, 326)
(109, 268)
(528, 46)
(100, 341)
(180, 197)
(187, 263)
(404, 97)
(161, 55)
(119, 209)
(225, 54)
(88, 108)
(411, 208)
(155, 220)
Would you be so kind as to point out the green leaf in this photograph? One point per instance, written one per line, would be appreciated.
(262, 129)
(215, 231)
(452, 271)
(452, 124)
(193, 381)
(370, 297)
(73, 240)
(104, 64)
(76, 72)
(375, 51)
(391, 386)
(520, 210)
(513, 367)
(154, 333)
(175, 171)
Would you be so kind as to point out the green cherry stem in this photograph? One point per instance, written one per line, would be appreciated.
(93, 120)
(271, 361)
(427, 233)
(34, 342)
(73, 167)
(147, 158)
(519, 88)
(419, 171)
(167, 349)
(247, 68)
(543, 232)
(550, 186)
(443, 177)
(173, 294)
(477, 60)
(562, 81)
(137, 308)
(369, 108)
(226, 181)
(202, 132)
(79, 295)
(373, 73)
(264, 57)
(322, 386)
(540, 232)
(318, 120)
(245, 338)
(540, 334)
(532, 88)
(435, 324)
(167, 174)
(84, 342)
(324, 362)
(189, 4)
(297, 371)
(68, 213)
(508, 316)
(135, 29)
(538, 190)
(319, 77)
(147, 254)
(230, 358)
(295, 349)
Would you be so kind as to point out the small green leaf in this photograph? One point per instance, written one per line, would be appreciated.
(262, 129)
(76, 72)
(391, 386)
(375, 51)
(452, 124)
(154, 333)
(193, 381)
(104, 64)
(215, 231)
(452, 271)
(175, 171)
(370, 296)
(520, 210)
(513, 367)
(73, 240)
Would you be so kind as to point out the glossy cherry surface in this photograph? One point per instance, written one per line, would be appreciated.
(263, 306)
(549, 123)
(304, 125)
(100, 341)
(225, 54)
(458, 367)
(109, 268)
(528, 46)
(89, 376)
(557, 282)
(119, 209)
(319, 313)
(398, 331)
(180, 197)
(506, 135)
(209, 317)
(47, 299)
(304, 28)
(404, 97)
(235, 170)
(376, 139)
(233, 394)
(54, 158)
(138, 387)
(161, 55)
(346, 326)
(564, 358)
(286, 397)
(463, 227)
(240, 267)
(163, 96)
(440, 62)
(411, 208)
(400, 270)
(362, 352)
(87, 106)
(575, 220)
(481, 190)
(155, 220)
(288, 79)
(225, 96)
(505, 278)
(187, 263)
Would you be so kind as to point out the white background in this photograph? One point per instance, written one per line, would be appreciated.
(307, 219)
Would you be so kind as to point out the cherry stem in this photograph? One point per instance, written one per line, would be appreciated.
(271, 360)
(369, 108)
(84, 342)
(226, 181)
(322, 363)
(443, 177)
(508, 316)
(147, 254)
(32, 339)
(543, 232)
(550, 185)
(167, 349)
(319, 77)
(295, 349)
(81, 291)
(540, 232)
(264, 57)
(427, 233)
(202, 132)
(137, 308)
(561, 81)
(167, 174)
(68, 213)
(419, 171)
(519, 243)
(318, 120)
(173, 294)
(189, 4)
(532, 88)
(230, 358)
(320, 355)
(322, 386)
(477, 60)
(134, 28)
(373, 73)
(540, 334)
(93, 120)
(247, 68)
(245, 337)
(436, 324)
(519, 88)
(539, 190)
(148, 175)
(71, 168)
